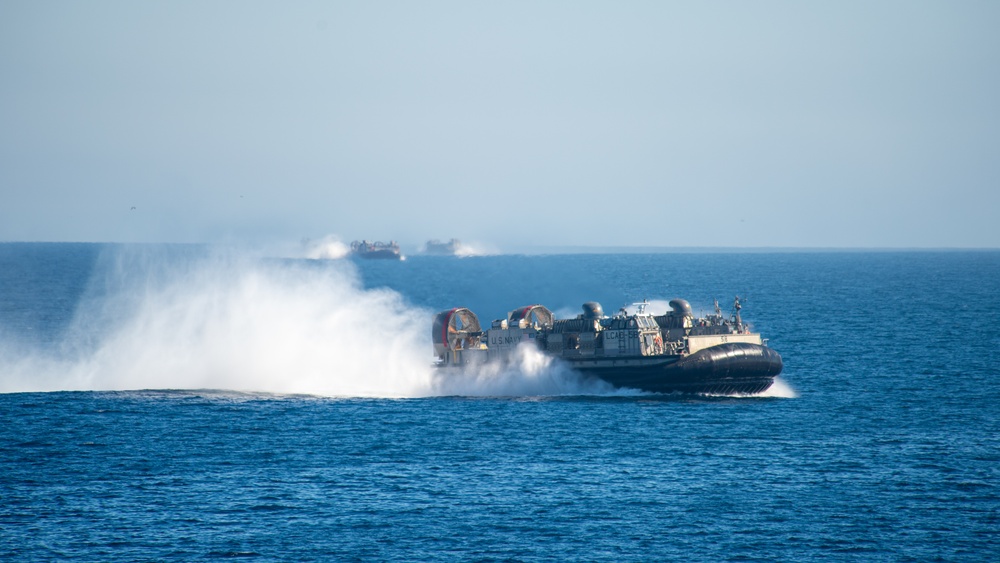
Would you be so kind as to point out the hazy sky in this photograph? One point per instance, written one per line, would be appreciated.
(871, 124)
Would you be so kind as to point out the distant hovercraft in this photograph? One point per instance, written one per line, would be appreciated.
(670, 353)
(382, 250)
(450, 248)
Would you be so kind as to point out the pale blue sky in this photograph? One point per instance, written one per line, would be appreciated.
(801, 124)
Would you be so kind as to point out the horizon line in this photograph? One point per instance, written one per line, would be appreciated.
(595, 249)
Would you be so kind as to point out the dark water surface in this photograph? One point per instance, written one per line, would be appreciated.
(890, 450)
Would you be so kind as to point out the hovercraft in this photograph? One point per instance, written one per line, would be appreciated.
(675, 352)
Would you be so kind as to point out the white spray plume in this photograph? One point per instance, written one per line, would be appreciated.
(780, 389)
(329, 247)
(529, 373)
(474, 248)
(240, 326)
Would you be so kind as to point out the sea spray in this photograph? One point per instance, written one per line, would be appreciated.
(329, 247)
(780, 389)
(231, 322)
(528, 373)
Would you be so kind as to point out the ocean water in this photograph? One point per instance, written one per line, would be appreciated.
(197, 403)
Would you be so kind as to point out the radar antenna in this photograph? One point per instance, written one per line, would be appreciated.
(640, 308)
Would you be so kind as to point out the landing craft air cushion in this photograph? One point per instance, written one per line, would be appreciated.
(670, 353)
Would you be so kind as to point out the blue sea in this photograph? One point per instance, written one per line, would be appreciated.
(197, 403)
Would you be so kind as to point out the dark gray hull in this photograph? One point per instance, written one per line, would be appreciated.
(726, 369)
